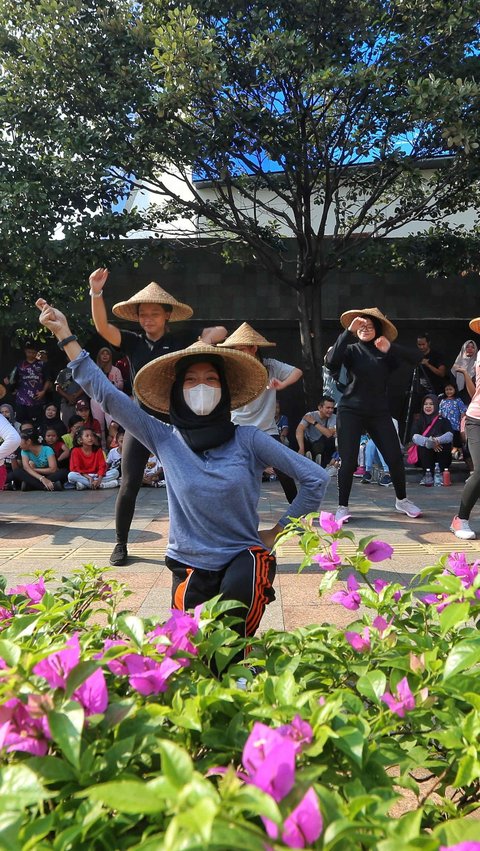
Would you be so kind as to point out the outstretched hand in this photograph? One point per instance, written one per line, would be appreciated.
(53, 319)
(382, 344)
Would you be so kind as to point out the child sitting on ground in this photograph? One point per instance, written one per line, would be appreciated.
(452, 408)
(114, 457)
(62, 452)
(88, 467)
(74, 425)
(153, 473)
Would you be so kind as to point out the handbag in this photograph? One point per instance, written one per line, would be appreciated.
(412, 452)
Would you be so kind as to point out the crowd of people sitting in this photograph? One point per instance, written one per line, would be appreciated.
(67, 442)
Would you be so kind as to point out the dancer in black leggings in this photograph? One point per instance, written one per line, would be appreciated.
(152, 308)
(367, 351)
(471, 492)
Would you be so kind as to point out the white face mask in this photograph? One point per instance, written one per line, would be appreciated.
(202, 399)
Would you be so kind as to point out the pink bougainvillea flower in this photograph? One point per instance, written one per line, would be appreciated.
(350, 599)
(380, 584)
(20, 730)
(304, 824)
(459, 566)
(381, 624)
(153, 679)
(180, 628)
(462, 846)
(269, 760)
(328, 523)
(360, 643)
(34, 591)
(436, 600)
(378, 551)
(92, 693)
(329, 560)
(299, 731)
(402, 702)
(56, 667)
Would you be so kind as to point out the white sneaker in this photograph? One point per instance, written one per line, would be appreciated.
(342, 513)
(80, 487)
(406, 506)
(461, 529)
(110, 483)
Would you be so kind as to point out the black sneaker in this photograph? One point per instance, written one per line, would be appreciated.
(119, 555)
(58, 486)
(367, 478)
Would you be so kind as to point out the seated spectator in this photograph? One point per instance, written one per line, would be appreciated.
(114, 457)
(433, 437)
(62, 452)
(82, 408)
(88, 467)
(112, 434)
(463, 370)
(282, 425)
(69, 391)
(51, 417)
(75, 423)
(452, 408)
(9, 441)
(9, 414)
(374, 456)
(153, 473)
(39, 470)
(104, 361)
(316, 432)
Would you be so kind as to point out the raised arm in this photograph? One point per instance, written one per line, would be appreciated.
(145, 428)
(109, 332)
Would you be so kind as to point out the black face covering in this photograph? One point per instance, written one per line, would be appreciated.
(201, 432)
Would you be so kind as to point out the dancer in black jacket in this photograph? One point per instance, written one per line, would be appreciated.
(367, 351)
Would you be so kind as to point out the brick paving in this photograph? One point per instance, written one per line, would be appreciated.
(64, 530)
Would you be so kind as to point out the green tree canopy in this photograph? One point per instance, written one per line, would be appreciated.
(305, 118)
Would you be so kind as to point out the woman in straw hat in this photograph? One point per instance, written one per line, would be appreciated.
(460, 525)
(367, 350)
(212, 469)
(260, 412)
(152, 307)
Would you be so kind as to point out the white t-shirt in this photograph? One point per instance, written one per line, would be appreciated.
(261, 411)
(9, 439)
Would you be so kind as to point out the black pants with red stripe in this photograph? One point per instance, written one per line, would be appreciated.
(247, 578)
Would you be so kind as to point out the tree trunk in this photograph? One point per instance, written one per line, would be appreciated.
(308, 362)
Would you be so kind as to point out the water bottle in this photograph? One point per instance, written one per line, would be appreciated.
(446, 479)
(428, 478)
(437, 476)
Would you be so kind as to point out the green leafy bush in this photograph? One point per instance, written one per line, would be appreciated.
(115, 733)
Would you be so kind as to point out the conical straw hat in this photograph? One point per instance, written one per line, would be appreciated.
(474, 324)
(245, 336)
(153, 294)
(245, 376)
(389, 330)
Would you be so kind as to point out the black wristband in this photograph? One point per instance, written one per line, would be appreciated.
(71, 339)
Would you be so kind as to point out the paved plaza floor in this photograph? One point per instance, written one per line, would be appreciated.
(64, 530)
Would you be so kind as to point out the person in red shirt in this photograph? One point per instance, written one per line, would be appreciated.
(88, 467)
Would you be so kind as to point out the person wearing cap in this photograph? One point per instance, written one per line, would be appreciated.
(212, 469)
(153, 308)
(31, 382)
(368, 351)
(83, 410)
(460, 525)
(260, 412)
